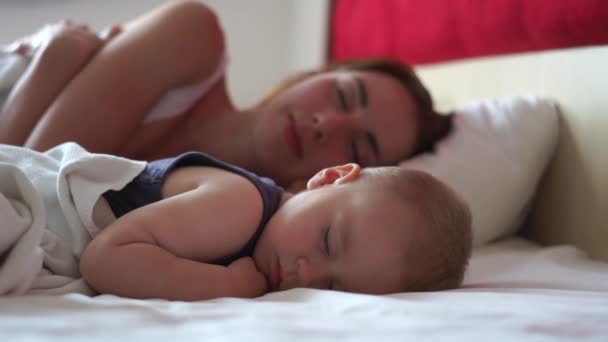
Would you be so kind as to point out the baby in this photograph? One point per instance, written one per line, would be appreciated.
(193, 228)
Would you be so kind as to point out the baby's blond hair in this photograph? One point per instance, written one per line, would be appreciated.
(443, 247)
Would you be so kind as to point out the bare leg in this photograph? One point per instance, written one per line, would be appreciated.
(66, 50)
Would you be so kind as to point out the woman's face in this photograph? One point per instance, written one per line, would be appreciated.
(334, 118)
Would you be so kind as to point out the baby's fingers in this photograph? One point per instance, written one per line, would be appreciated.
(260, 285)
(248, 280)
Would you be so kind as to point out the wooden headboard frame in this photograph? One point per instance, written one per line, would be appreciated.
(571, 205)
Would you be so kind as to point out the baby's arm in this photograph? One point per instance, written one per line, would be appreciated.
(67, 49)
(159, 251)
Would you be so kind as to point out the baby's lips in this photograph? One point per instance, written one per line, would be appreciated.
(275, 275)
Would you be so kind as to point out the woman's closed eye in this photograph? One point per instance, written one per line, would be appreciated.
(343, 102)
(347, 106)
(356, 158)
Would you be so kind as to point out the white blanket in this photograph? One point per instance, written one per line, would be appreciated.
(46, 214)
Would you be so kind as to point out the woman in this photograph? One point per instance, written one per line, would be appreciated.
(158, 89)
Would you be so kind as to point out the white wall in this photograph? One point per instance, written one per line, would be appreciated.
(267, 39)
(310, 34)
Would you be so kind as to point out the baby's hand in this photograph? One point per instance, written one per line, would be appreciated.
(248, 281)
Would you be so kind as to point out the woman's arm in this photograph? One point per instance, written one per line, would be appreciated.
(158, 251)
(174, 45)
(67, 49)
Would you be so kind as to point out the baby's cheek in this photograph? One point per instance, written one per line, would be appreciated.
(300, 239)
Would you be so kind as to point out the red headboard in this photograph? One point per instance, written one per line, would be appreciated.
(427, 31)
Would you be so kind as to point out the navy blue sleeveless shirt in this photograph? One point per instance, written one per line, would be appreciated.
(146, 188)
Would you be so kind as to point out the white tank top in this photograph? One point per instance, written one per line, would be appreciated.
(178, 100)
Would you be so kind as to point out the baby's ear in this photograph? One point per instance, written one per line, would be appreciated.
(334, 175)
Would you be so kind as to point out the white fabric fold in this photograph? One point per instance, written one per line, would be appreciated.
(46, 210)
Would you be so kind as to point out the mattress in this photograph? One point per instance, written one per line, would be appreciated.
(514, 290)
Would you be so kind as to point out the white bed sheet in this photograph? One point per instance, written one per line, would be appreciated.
(515, 291)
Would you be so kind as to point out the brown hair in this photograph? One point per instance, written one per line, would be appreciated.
(443, 247)
(433, 125)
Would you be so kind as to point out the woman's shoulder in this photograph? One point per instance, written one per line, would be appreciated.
(191, 34)
(195, 17)
(187, 9)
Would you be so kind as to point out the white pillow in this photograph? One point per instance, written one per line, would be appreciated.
(494, 157)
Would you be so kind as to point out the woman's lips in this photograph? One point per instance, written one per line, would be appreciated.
(276, 275)
(293, 138)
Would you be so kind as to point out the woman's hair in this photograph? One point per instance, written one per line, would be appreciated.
(433, 126)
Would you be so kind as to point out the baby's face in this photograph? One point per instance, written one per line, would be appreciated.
(343, 237)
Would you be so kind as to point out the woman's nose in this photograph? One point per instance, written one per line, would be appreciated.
(310, 274)
(328, 123)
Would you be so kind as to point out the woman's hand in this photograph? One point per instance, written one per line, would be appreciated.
(248, 281)
(28, 46)
(59, 52)
(69, 47)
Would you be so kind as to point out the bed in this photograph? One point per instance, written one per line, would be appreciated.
(548, 282)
